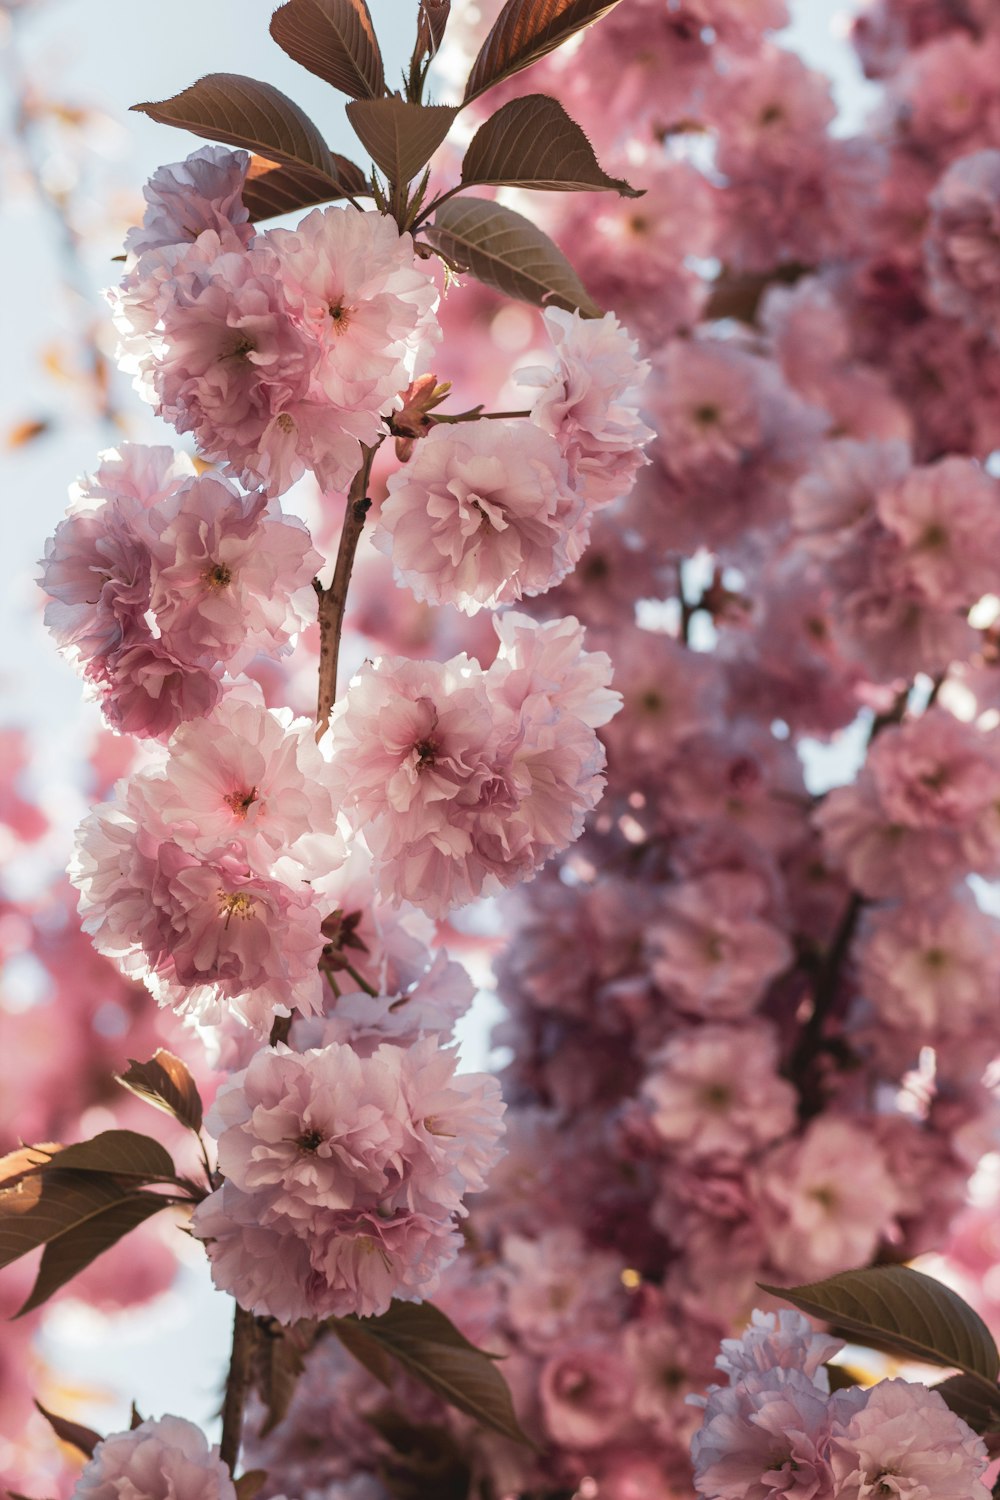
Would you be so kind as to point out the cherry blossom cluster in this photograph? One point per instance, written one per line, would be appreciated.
(204, 877)
(463, 782)
(750, 997)
(775, 1428)
(344, 1174)
(280, 351)
(161, 581)
(750, 1013)
(494, 511)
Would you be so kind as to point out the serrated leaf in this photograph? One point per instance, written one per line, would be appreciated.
(969, 1399)
(506, 251)
(430, 1348)
(526, 30)
(244, 112)
(400, 137)
(135, 1418)
(165, 1082)
(71, 1252)
(432, 21)
(907, 1311)
(533, 143)
(271, 188)
(83, 1439)
(335, 40)
(121, 1153)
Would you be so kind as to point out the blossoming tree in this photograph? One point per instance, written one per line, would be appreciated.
(610, 578)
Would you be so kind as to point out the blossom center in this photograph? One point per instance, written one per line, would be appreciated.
(242, 346)
(339, 317)
(217, 576)
(241, 801)
(310, 1140)
(235, 904)
(426, 751)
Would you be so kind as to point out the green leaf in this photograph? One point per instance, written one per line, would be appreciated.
(271, 188)
(907, 1311)
(84, 1439)
(533, 143)
(121, 1153)
(335, 40)
(245, 112)
(970, 1400)
(526, 30)
(431, 1349)
(506, 251)
(400, 137)
(71, 1252)
(165, 1082)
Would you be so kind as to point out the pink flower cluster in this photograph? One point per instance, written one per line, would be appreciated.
(464, 782)
(344, 1175)
(924, 810)
(280, 351)
(776, 1430)
(205, 878)
(487, 512)
(165, 1459)
(160, 581)
(906, 551)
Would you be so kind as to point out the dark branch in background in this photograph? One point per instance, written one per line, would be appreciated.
(68, 241)
(811, 1042)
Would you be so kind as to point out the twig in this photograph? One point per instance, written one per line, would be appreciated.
(333, 600)
(237, 1387)
(827, 985)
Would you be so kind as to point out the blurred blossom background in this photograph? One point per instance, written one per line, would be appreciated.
(72, 164)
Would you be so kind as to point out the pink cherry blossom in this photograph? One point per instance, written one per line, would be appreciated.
(166, 1459)
(825, 1199)
(766, 1436)
(921, 812)
(202, 192)
(482, 514)
(231, 573)
(250, 776)
(344, 1176)
(925, 966)
(784, 1340)
(208, 934)
(715, 1091)
(712, 952)
(905, 1436)
(460, 792)
(590, 403)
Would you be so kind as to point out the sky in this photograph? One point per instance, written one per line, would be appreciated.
(108, 54)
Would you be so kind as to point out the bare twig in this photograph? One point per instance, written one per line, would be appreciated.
(333, 600)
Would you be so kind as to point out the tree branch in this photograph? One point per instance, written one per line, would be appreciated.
(237, 1387)
(333, 600)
